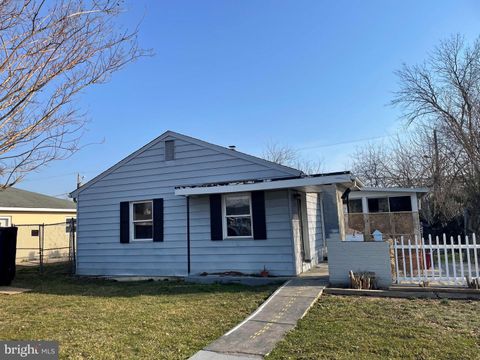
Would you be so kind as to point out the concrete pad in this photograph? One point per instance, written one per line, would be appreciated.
(303, 287)
(253, 337)
(143, 278)
(309, 292)
(285, 309)
(243, 280)
(210, 355)
(8, 290)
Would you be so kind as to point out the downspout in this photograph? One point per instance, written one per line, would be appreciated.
(188, 235)
(75, 240)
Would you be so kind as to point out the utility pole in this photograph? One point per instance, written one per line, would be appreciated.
(436, 169)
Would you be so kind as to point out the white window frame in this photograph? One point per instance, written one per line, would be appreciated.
(132, 221)
(224, 215)
(8, 218)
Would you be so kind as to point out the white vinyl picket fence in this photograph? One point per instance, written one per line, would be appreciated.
(436, 260)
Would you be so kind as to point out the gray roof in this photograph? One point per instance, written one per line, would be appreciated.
(12, 197)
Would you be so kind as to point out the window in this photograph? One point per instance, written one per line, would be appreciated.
(141, 213)
(237, 211)
(400, 203)
(169, 150)
(355, 206)
(376, 205)
(5, 221)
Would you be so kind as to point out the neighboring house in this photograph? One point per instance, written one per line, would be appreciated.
(181, 206)
(387, 212)
(26, 210)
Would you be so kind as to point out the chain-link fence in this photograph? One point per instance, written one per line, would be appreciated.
(40, 244)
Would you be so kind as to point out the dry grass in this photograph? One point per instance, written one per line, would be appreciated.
(101, 319)
(372, 328)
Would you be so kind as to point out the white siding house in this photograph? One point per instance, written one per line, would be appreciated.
(181, 206)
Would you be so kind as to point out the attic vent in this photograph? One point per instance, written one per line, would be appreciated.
(169, 150)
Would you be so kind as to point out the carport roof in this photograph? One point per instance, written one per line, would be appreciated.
(308, 183)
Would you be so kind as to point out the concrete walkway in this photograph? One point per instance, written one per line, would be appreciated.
(257, 335)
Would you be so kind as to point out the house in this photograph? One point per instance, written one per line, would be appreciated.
(27, 210)
(180, 206)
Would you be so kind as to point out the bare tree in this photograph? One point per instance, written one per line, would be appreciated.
(286, 155)
(280, 154)
(444, 92)
(410, 162)
(49, 52)
(369, 163)
(441, 103)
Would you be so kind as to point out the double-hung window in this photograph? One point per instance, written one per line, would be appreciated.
(237, 216)
(141, 215)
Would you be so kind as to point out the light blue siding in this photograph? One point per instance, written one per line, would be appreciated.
(244, 255)
(148, 176)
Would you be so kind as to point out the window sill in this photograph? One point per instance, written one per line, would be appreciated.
(141, 240)
(238, 238)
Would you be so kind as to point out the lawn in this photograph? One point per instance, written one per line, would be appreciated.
(372, 328)
(103, 319)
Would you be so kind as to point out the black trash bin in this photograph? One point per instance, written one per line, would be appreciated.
(8, 252)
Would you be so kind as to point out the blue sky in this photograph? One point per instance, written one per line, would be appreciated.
(317, 75)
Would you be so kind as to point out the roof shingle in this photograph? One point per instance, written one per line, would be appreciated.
(18, 198)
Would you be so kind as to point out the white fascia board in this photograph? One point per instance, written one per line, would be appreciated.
(394, 189)
(383, 192)
(21, 209)
(266, 185)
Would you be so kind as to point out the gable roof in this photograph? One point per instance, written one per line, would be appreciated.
(23, 199)
(221, 149)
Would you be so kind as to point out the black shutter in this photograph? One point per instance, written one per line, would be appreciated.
(258, 215)
(158, 220)
(124, 222)
(216, 217)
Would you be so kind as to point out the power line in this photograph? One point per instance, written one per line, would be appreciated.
(347, 142)
(59, 176)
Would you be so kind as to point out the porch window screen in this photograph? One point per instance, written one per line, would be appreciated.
(376, 205)
(400, 203)
(355, 206)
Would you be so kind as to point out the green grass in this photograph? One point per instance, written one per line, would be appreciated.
(372, 328)
(102, 319)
